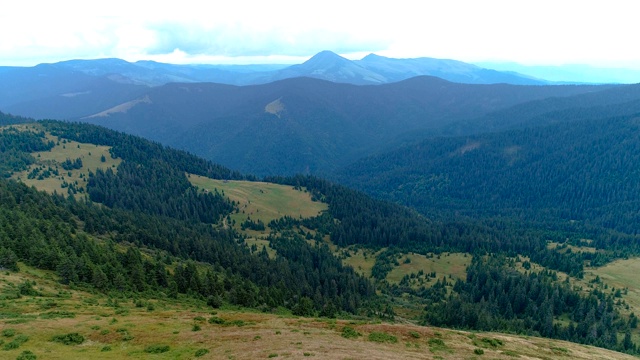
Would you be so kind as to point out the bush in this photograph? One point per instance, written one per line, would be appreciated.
(26, 289)
(349, 333)
(414, 334)
(382, 337)
(58, 315)
(216, 320)
(488, 343)
(19, 340)
(27, 355)
(8, 332)
(478, 351)
(201, 352)
(215, 301)
(436, 342)
(157, 349)
(69, 339)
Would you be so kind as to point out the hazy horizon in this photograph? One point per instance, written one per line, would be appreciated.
(287, 32)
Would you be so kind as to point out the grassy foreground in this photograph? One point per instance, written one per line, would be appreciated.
(53, 321)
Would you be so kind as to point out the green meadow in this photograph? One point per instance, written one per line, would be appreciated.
(49, 163)
(262, 201)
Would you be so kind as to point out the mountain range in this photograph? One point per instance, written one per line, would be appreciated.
(305, 125)
(524, 191)
(294, 125)
(326, 65)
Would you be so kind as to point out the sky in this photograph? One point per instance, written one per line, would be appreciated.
(541, 32)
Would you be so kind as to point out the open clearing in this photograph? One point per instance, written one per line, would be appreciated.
(93, 157)
(447, 264)
(360, 259)
(621, 274)
(116, 328)
(262, 201)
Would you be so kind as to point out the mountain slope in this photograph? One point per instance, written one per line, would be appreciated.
(325, 65)
(584, 171)
(330, 66)
(152, 220)
(49, 91)
(309, 125)
(571, 73)
(450, 70)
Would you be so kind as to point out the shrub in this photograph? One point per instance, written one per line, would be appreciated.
(478, 351)
(157, 349)
(201, 352)
(216, 320)
(69, 339)
(488, 343)
(26, 289)
(106, 348)
(8, 332)
(27, 355)
(382, 337)
(350, 333)
(414, 334)
(17, 341)
(215, 301)
(58, 315)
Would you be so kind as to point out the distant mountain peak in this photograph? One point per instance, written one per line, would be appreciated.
(373, 56)
(325, 58)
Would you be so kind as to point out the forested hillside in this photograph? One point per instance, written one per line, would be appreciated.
(152, 206)
(142, 228)
(305, 125)
(584, 171)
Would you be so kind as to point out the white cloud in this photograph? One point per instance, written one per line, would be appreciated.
(542, 31)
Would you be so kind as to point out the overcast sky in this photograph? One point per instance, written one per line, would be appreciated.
(553, 32)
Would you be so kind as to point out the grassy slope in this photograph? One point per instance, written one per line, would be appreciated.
(361, 260)
(443, 265)
(127, 330)
(66, 149)
(261, 201)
